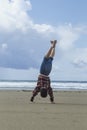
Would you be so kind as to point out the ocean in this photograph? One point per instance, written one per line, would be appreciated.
(30, 85)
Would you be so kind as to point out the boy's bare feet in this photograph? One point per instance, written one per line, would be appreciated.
(54, 43)
(32, 99)
(51, 42)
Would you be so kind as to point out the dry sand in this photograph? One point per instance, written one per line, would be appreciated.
(68, 113)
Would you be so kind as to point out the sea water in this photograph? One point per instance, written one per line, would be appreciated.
(30, 85)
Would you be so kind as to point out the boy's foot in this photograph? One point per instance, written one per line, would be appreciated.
(32, 99)
(52, 100)
(53, 43)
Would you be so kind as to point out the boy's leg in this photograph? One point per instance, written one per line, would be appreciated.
(51, 51)
(35, 92)
(50, 92)
(37, 89)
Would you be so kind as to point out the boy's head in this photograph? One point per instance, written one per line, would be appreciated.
(43, 92)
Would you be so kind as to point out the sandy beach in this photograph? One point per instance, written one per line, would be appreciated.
(68, 113)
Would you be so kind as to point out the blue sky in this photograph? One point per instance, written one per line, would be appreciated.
(26, 28)
(59, 11)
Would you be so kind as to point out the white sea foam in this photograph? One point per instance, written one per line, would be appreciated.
(70, 85)
(16, 85)
(30, 85)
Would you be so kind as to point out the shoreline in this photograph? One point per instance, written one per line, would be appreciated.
(54, 90)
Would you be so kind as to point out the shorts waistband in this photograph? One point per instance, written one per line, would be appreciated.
(42, 75)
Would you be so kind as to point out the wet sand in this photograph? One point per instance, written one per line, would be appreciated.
(68, 113)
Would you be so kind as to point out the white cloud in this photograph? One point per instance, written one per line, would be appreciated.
(3, 48)
(43, 28)
(13, 14)
(80, 58)
(81, 29)
(68, 35)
